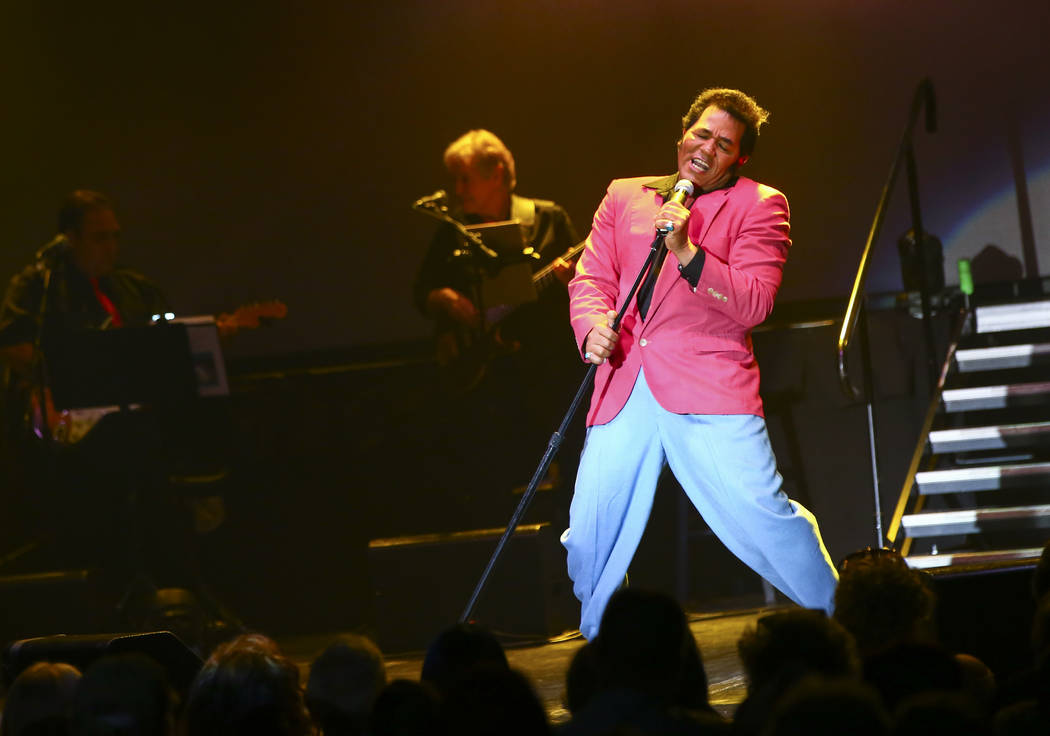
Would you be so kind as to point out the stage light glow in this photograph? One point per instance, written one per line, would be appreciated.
(996, 222)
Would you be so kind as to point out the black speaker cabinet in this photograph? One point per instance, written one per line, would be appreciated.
(421, 585)
(80, 650)
(986, 610)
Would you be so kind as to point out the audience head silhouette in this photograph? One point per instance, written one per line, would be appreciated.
(457, 651)
(247, 687)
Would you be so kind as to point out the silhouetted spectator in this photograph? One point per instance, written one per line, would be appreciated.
(820, 707)
(909, 669)
(1041, 628)
(886, 605)
(405, 708)
(344, 683)
(40, 700)
(457, 651)
(780, 651)
(124, 695)
(649, 673)
(881, 601)
(581, 679)
(644, 644)
(247, 687)
(1024, 684)
(978, 682)
(1032, 714)
(493, 701)
(941, 714)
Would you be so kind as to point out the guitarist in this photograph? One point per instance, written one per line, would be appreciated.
(73, 491)
(65, 495)
(483, 172)
(495, 420)
(86, 289)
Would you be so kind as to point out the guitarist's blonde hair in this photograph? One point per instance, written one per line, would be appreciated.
(483, 150)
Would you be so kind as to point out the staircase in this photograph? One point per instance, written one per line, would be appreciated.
(978, 490)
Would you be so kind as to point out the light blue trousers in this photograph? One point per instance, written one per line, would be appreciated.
(726, 466)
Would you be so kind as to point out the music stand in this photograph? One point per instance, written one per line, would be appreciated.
(162, 368)
(133, 365)
(506, 283)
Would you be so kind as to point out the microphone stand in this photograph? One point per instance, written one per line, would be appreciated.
(554, 444)
(45, 264)
(45, 471)
(440, 212)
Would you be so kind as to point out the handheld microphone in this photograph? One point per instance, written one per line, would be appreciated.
(682, 190)
(437, 197)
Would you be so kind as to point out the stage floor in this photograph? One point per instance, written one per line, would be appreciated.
(546, 664)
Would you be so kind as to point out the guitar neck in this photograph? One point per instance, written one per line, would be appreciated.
(545, 276)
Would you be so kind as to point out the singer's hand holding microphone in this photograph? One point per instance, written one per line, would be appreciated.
(672, 219)
(671, 222)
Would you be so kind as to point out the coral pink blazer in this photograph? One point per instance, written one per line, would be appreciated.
(695, 346)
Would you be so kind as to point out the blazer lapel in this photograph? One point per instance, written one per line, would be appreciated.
(703, 213)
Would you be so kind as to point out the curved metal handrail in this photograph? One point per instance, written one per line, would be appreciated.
(923, 97)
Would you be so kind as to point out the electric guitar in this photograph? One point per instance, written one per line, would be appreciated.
(474, 351)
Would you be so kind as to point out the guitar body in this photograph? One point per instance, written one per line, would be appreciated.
(464, 356)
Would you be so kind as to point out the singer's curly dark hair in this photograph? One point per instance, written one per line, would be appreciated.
(741, 106)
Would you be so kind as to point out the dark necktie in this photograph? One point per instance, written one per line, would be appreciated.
(645, 292)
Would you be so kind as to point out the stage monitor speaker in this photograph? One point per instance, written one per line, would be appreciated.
(987, 610)
(80, 650)
(421, 584)
(73, 601)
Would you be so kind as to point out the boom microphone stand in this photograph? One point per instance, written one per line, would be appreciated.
(479, 253)
(554, 444)
(36, 418)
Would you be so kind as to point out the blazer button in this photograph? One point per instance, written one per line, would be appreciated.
(643, 342)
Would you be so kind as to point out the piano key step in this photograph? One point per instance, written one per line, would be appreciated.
(1002, 357)
(984, 478)
(1003, 317)
(953, 559)
(995, 437)
(996, 397)
(976, 521)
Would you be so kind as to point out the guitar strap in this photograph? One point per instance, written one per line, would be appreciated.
(524, 210)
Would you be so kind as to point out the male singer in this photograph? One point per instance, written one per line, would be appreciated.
(679, 383)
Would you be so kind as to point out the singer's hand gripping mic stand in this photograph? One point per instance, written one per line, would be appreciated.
(554, 444)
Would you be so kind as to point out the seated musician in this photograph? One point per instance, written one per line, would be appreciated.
(483, 171)
(88, 290)
(74, 493)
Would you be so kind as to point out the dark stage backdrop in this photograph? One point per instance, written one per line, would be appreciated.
(271, 149)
